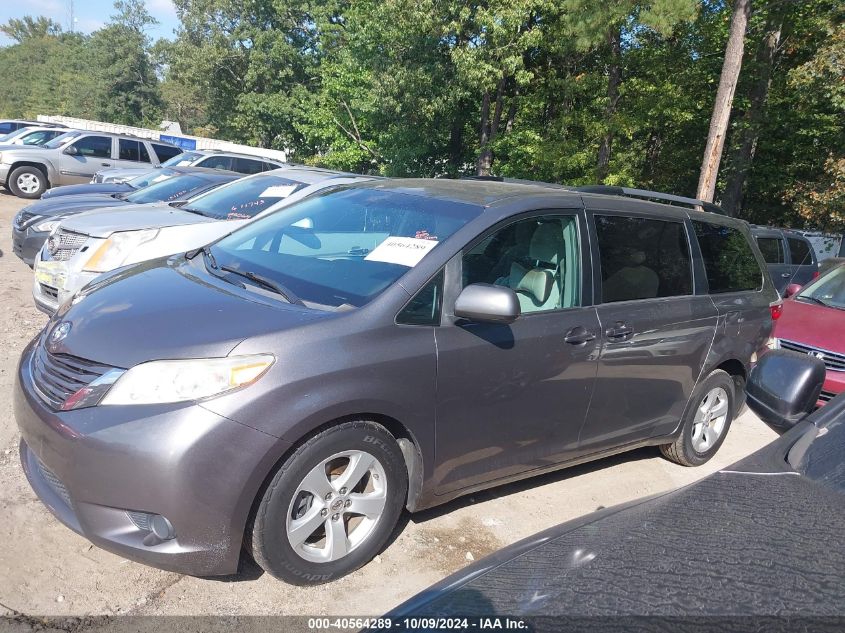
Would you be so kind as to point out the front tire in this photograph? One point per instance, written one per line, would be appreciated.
(706, 421)
(27, 182)
(331, 506)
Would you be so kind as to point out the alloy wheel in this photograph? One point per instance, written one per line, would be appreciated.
(710, 419)
(28, 183)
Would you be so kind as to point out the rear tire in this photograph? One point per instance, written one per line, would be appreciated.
(27, 182)
(706, 421)
(331, 506)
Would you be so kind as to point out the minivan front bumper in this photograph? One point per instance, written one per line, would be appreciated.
(101, 470)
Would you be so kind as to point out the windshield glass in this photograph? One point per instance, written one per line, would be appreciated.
(244, 198)
(182, 160)
(60, 140)
(13, 135)
(167, 190)
(828, 289)
(343, 247)
(149, 177)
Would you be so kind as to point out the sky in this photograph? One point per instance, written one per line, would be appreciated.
(89, 14)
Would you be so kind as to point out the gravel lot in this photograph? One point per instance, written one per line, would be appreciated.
(47, 570)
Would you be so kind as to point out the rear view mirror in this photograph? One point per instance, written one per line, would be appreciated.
(487, 303)
(71, 151)
(784, 387)
(791, 289)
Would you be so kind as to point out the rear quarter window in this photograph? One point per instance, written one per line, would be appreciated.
(729, 261)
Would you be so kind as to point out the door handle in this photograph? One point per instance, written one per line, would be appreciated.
(106, 164)
(578, 336)
(619, 331)
(786, 275)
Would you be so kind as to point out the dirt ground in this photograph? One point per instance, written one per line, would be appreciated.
(47, 570)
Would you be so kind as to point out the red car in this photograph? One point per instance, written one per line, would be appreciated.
(812, 321)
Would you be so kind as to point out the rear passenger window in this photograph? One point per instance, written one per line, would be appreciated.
(728, 259)
(216, 162)
(165, 152)
(772, 249)
(799, 252)
(247, 166)
(145, 155)
(94, 146)
(131, 150)
(642, 258)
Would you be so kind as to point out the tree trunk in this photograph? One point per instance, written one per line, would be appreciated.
(485, 154)
(744, 155)
(724, 101)
(614, 78)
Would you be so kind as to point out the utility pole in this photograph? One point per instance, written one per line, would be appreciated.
(72, 21)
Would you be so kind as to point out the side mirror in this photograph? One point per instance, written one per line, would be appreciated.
(784, 387)
(487, 303)
(71, 150)
(791, 289)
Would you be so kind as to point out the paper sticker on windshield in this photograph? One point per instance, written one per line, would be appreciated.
(278, 191)
(159, 178)
(405, 251)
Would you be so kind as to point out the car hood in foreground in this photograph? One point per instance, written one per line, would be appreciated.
(812, 324)
(66, 205)
(168, 309)
(754, 539)
(132, 217)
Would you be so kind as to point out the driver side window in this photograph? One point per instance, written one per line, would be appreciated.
(538, 258)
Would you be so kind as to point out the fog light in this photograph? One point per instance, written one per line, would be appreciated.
(161, 527)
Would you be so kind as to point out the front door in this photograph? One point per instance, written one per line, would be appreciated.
(512, 398)
(655, 332)
(93, 153)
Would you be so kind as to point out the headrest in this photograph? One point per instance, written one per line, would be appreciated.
(537, 283)
(546, 243)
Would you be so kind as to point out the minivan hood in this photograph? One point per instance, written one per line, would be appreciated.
(63, 205)
(168, 309)
(132, 217)
(812, 324)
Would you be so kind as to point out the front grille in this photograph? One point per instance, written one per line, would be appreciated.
(22, 218)
(54, 482)
(49, 291)
(59, 376)
(63, 245)
(827, 396)
(832, 360)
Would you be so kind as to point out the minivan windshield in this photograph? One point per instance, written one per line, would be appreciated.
(62, 140)
(244, 198)
(342, 247)
(829, 290)
(182, 160)
(167, 189)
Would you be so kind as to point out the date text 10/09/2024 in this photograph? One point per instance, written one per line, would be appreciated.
(419, 624)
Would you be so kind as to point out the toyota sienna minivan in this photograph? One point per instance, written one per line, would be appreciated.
(290, 388)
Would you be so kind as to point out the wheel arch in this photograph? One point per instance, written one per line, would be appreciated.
(42, 167)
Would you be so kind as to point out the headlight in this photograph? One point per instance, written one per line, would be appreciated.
(114, 251)
(48, 226)
(163, 381)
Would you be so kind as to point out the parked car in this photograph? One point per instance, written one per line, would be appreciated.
(36, 136)
(95, 242)
(789, 256)
(813, 322)
(759, 538)
(380, 345)
(33, 224)
(139, 182)
(210, 158)
(74, 157)
(11, 125)
(830, 263)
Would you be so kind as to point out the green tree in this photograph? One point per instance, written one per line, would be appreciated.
(28, 27)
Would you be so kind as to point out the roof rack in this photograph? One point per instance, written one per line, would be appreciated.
(650, 195)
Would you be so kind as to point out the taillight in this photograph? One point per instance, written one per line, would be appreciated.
(776, 308)
(816, 275)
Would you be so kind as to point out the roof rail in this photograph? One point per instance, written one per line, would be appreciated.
(515, 181)
(651, 195)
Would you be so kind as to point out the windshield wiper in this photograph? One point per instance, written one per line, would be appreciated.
(285, 293)
(205, 250)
